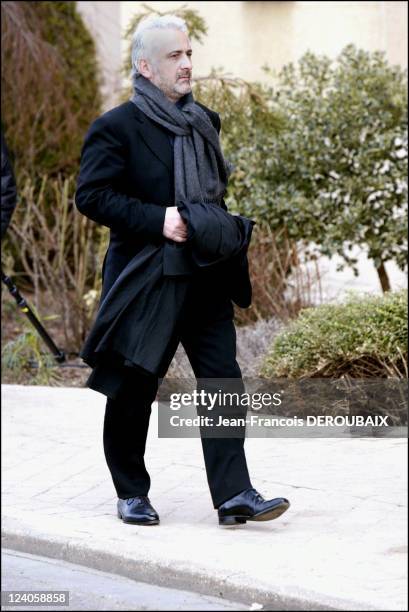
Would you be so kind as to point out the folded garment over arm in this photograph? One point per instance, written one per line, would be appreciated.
(137, 318)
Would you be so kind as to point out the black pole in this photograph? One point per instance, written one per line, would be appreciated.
(24, 307)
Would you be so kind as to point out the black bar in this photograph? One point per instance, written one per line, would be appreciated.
(24, 307)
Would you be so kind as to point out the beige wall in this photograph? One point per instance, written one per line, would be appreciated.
(243, 36)
(103, 19)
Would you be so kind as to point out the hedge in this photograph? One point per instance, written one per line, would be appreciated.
(364, 336)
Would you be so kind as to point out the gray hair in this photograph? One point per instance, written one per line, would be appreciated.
(138, 48)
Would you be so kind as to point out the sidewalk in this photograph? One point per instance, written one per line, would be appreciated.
(341, 545)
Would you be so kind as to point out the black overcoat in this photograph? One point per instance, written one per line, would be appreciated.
(125, 183)
(138, 316)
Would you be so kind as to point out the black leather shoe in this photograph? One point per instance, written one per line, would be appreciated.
(137, 510)
(249, 505)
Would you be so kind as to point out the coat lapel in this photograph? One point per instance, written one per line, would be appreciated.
(155, 138)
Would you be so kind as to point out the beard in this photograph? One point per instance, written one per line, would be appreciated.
(171, 88)
(183, 87)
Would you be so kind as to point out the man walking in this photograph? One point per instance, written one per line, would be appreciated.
(138, 161)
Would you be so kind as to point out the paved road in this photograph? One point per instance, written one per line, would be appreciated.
(94, 590)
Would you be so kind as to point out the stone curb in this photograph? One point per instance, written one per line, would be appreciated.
(159, 573)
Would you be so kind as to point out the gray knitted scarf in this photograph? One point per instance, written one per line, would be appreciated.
(200, 170)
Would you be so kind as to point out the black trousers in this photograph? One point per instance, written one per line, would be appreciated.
(207, 333)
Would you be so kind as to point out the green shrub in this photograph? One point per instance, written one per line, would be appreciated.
(50, 85)
(335, 175)
(366, 336)
(25, 360)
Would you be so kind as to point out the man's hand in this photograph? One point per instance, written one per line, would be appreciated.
(174, 227)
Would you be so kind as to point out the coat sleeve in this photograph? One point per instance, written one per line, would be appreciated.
(103, 160)
(8, 188)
